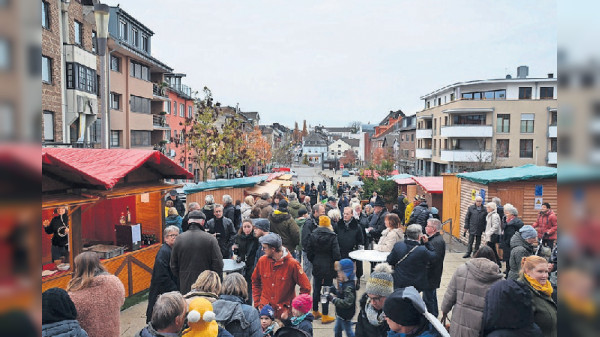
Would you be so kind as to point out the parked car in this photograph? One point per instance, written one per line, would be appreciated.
(345, 173)
(294, 174)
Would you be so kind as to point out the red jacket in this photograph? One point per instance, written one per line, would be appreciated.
(274, 282)
(546, 223)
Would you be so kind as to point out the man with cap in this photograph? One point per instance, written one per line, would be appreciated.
(331, 204)
(262, 227)
(475, 222)
(371, 320)
(194, 206)
(276, 275)
(194, 252)
(377, 224)
(522, 244)
(406, 315)
(177, 203)
(283, 224)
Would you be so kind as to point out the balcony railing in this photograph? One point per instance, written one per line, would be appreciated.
(467, 156)
(424, 133)
(552, 131)
(467, 131)
(158, 90)
(160, 121)
(552, 158)
(423, 153)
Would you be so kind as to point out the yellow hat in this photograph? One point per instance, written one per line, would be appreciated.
(324, 221)
(201, 319)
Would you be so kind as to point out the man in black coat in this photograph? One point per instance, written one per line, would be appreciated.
(222, 228)
(410, 259)
(513, 224)
(229, 210)
(377, 224)
(194, 206)
(163, 279)
(435, 268)
(475, 222)
(177, 203)
(402, 206)
(349, 237)
(309, 226)
(420, 214)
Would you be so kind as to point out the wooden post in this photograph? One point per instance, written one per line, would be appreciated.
(75, 239)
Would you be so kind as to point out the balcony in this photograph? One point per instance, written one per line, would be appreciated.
(467, 131)
(552, 131)
(423, 153)
(159, 93)
(159, 122)
(466, 156)
(424, 133)
(552, 158)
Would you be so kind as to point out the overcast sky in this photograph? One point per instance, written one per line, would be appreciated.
(332, 62)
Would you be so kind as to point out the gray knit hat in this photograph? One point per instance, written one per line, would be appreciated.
(528, 232)
(381, 282)
(262, 223)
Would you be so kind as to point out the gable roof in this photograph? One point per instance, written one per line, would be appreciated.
(525, 172)
(431, 184)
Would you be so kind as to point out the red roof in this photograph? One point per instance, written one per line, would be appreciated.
(106, 167)
(405, 181)
(431, 184)
(367, 173)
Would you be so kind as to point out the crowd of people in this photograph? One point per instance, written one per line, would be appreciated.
(301, 238)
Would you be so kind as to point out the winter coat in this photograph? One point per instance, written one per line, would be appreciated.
(162, 280)
(493, 225)
(247, 246)
(388, 239)
(364, 327)
(300, 222)
(52, 228)
(240, 319)
(544, 310)
(194, 252)
(306, 325)
(411, 271)
(465, 295)
(322, 250)
(229, 213)
(283, 224)
(435, 267)
(420, 215)
(409, 209)
(192, 295)
(349, 236)
(265, 208)
(475, 220)
(97, 313)
(511, 228)
(508, 311)
(274, 282)
(363, 221)
(293, 207)
(378, 225)
(209, 211)
(546, 223)
(178, 204)
(426, 331)
(68, 328)
(309, 226)
(226, 239)
(519, 248)
(345, 302)
(237, 215)
(246, 210)
(149, 331)
(174, 220)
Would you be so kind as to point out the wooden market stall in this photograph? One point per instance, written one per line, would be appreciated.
(236, 188)
(406, 184)
(526, 187)
(432, 188)
(98, 186)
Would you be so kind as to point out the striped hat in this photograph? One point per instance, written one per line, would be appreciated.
(381, 282)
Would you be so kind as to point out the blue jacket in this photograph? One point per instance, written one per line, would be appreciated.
(68, 328)
(240, 319)
(412, 271)
(174, 220)
(305, 325)
(429, 331)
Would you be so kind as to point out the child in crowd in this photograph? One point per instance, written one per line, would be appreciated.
(267, 321)
(302, 318)
(345, 301)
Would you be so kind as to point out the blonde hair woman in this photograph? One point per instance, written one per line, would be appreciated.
(207, 285)
(246, 207)
(534, 273)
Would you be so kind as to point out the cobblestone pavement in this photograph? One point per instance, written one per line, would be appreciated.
(133, 319)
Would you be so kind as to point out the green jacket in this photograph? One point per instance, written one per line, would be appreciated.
(544, 311)
(293, 207)
(300, 223)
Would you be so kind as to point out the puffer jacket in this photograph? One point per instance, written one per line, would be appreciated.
(465, 295)
(283, 224)
(293, 207)
(388, 239)
(149, 331)
(323, 249)
(245, 209)
(546, 223)
(174, 220)
(67, 328)
(519, 248)
(345, 302)
(240, 319)
(475, 220)
(420, 215)
(493, 225)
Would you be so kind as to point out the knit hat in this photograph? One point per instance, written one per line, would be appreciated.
(528, 232)
(324, 221)
(283, 205)
(271, 239)
(57, 306)
(268, 311)
(399, 307)
(302, 211)
(262, 224)
(347, 266)
(201, 319)
(302, 303)
(381, 282)
(173, 192)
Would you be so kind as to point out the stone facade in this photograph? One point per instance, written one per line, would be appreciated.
(52, 48)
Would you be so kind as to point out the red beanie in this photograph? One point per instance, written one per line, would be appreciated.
(302, 303)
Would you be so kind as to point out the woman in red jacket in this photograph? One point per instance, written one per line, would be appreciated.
(546, 225)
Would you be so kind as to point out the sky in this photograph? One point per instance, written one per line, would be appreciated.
(334, 62)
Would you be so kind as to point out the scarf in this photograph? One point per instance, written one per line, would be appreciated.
(297, 320)
(583, 307)
(546, 288)
(375, 318)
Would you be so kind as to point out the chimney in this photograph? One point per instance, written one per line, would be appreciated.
(508, 77)
(522, 72)
(550, 75)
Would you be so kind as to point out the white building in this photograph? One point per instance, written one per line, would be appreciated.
(314, 147)
(337, 149)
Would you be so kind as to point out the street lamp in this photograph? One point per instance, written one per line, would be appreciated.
(101, 14)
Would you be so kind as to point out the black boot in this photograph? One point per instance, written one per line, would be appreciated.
(467, 255)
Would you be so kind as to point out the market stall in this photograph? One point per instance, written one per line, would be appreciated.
(114, 202)
(236, 188)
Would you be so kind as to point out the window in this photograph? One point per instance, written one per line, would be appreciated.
(526, 148)
(140, 71)
(46, 69)
(115, 138)
(468, 120)
(115, 101)
(524, 92)
(45, 15)
(48, 126)
(145, 44)
(81, 78)
(527, 123)
(546, 92)
(428, 105)
(174, 108)
(5, 55)
(452, 97)
(467, 95)
(553, 118)
(503, 123)
(168, 107)
(500, 94)
(181, 110)
(123, 30)
(502, 148)
(139, 104)
(439, 101)
(553, 145)
(96, 131)
(94, 42)
(78, 33)
(140, 138)
(477, 96)
(135, 37)
(115, 63)
(189, 111)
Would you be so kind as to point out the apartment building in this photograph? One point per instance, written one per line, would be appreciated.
(405, 147)
(135, 80)
(488, 123)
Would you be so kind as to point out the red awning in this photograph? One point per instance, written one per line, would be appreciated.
(405, 181)
(106, 167)
(431, 184)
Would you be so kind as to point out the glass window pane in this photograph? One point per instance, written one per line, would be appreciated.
(77, 32)
(489, 95)
(500, 94)
(48, 126)
(46, 71)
